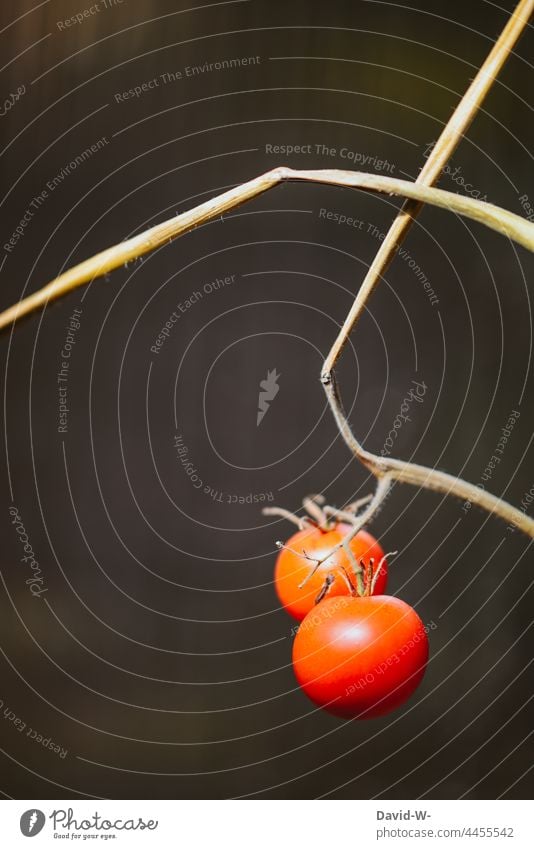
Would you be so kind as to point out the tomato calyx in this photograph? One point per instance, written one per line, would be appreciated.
(361, 583)
(328, 581)
(313, 504)
(365, 575)
(362, 577)
(320, 515)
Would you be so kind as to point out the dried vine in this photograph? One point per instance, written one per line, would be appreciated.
(386, 470)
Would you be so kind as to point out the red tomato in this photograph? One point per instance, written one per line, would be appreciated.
(292, 569)
(360, 657)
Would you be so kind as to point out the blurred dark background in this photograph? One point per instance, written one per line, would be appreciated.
(158, 659)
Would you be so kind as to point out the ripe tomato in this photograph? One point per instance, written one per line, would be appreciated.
(292, 568)
(360, 657)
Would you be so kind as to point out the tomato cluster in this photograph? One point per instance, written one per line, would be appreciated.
(357, 653)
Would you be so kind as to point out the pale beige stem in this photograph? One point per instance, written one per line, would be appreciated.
(312, 506)
(112, 258)
(449, 139)
(341, 515)
(348, 515)
(355, 505)
(301, 521)
(448, 484)
(507, 223)
(398, 470)
(442, 151)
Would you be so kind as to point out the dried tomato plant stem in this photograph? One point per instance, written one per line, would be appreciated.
(386, 470)
(130, 249)
(507, 223)
(442, 151)
(445, 146)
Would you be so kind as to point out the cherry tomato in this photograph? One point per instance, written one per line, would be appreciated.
(293, 568)
(360, 657)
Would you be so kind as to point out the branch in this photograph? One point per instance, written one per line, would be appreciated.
(300, 522)
(513, 226)
(445, 146)
(508, 223)
(391, 469)
(112, 258)
(313, 507)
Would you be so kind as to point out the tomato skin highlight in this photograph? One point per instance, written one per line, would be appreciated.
(360, 658)
(291, 569)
